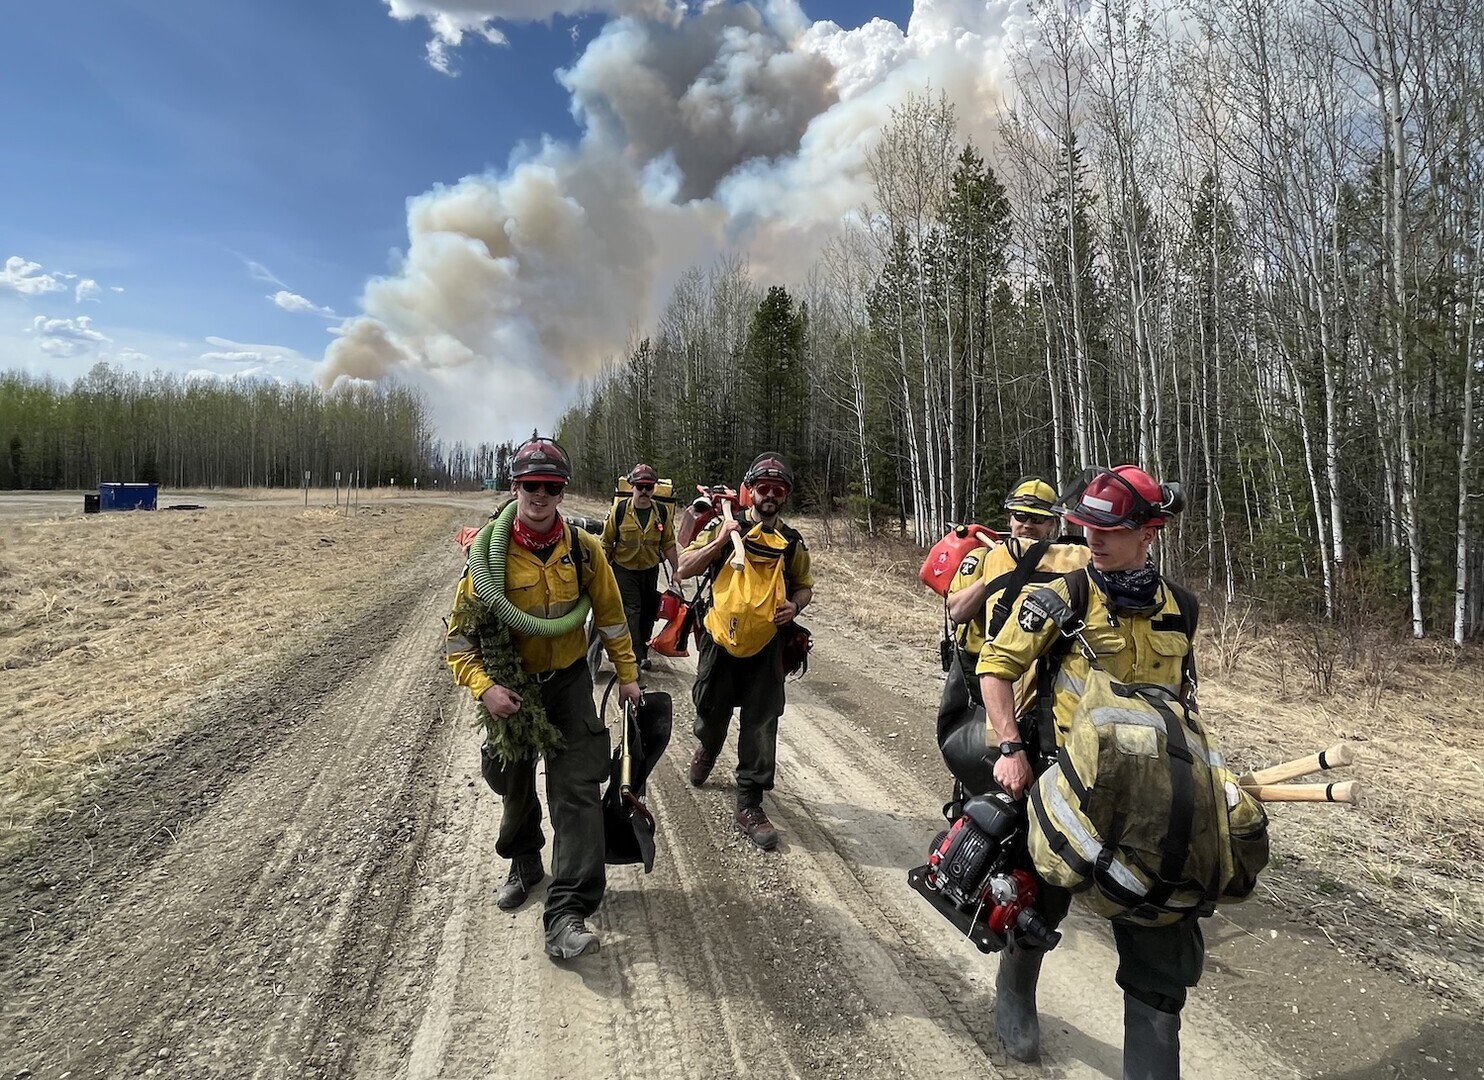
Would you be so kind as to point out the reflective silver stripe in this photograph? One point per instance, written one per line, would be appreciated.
(1088, 846)
(1065, 681)
(458, 645)
(560, 608)
(1104, 715)
(611, 632)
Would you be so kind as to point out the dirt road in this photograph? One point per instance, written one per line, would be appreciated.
(302, 887)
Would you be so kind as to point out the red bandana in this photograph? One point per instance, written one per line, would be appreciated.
(531, 540)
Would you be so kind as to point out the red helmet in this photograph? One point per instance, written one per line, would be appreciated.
(769, 466)
(1125, 497)
(541, 458)
(643, 474)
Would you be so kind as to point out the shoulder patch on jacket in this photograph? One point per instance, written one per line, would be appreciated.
(1032, 613)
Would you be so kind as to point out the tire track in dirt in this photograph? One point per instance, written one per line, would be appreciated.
(243, 947)
(671, 988)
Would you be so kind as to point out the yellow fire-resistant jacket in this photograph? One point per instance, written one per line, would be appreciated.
(1139, 648)
(547, 589)
(632, 545)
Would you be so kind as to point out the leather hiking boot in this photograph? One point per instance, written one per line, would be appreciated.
(570, 938)
(754, 825)
(525, 872)
(1151, 1042)
(1015, 1019)
(701, 764)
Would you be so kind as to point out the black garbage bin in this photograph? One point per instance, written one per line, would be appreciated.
(90, 503)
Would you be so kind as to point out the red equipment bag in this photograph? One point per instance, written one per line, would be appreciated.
(671, 639)
(943, 560)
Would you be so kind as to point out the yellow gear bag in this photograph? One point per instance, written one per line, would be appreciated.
(1138, 814)
(743, 602)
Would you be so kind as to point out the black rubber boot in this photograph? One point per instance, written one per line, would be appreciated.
(525, 872)
(1015, 1019)
(1151, 1042)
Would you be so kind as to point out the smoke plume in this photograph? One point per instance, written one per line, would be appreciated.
(740, 126)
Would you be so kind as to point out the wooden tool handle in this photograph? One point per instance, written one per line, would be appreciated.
(1346, 792)
(739, 559)
(1341, 753)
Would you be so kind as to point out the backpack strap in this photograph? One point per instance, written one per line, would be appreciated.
(1175, 846)
(794, 538)
(1078, 598)
(1012, 583)
(618, 513)
(1190, 616)
(579, 557)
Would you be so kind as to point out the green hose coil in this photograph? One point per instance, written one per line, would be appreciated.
(487, 572)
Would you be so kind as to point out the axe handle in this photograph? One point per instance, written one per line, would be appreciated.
(1346, 792)
(739, 559)
(1341, 753)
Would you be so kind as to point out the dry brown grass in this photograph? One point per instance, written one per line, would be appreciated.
(1415, 712)
(111, 624)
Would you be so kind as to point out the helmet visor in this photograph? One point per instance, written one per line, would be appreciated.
(1101, 499)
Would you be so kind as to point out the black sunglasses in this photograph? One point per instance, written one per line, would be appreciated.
(1027, 518)
(643, 487)
(551, 487)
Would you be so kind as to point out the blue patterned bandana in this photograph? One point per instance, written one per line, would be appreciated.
(1129, 591)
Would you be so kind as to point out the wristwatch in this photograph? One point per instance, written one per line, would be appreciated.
(1007, 748)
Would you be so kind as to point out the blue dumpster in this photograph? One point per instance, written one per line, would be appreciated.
(128, 496)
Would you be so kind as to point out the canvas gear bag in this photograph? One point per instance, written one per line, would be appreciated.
(743, 602)
(1138, 814)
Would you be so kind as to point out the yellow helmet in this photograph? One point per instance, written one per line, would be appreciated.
(1033, 495)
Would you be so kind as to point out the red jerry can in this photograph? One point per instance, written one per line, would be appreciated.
(943, 560)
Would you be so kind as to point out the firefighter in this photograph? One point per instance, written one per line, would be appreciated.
(984, 582)
(545, 576)
(637, 535)
(740, 665)
(1134, 623)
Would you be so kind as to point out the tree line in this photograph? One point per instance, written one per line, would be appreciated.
(1241, 248)
(112, 425)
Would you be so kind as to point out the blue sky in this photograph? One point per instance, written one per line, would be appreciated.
(192, 160)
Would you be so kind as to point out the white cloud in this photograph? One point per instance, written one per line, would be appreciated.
(27, 279)
(451, 20)
(88, 289)
(298, 304)
(258, 272)
(236, 352)
(66, 337)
